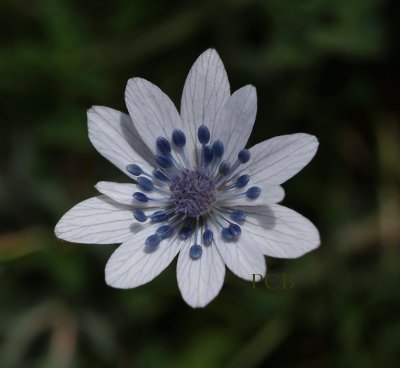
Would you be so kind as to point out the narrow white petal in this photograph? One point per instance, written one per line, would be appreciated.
(114, 137)
(200, 280)
(131, 266)
(152, 112)
(243, 257)
(270, 193)
(278, 159)
(236, 121)
(280, 231)
(205, 92)
(97, 220)
(123, 193)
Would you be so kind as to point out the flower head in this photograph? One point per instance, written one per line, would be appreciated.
(199, 192)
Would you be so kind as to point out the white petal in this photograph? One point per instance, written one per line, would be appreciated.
(97, 220)
(114, 136)
(200, 280)
(205, 92)
(152, 112)
(122, 193)
(236, 121)
(270, 193)
(278, 159)
(243, 257)
(280, 231)
(131, 266)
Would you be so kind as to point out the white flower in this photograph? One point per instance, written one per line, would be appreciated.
(199, 192)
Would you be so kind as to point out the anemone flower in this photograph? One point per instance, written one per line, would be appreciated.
(197, 191)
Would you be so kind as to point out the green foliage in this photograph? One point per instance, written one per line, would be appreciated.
(326, 67)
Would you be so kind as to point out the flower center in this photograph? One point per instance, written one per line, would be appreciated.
(192, 193)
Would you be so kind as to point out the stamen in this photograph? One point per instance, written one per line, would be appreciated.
(244, 156)
(242, 181)
(145, 184)
(163, 145)
(164, 161)
(203, 134)
(235, 230)
(160, 176)
(139, 215)
(208, 237)
(165, 231)
(238, 215)
(141, 197)
(186, 232)
(224, 168)
(253, 192)
(179, 138)
(134, 170)
(158, 216)
(226, 234)
(152, 243)
(218, 149)
(208, 154)
(195, 251)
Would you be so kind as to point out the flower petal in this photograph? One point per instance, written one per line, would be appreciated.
(122, 193)
(131, 266)
(281, 232)
(97, 220)
(236, 121)
(114, 137)
(152, 112)
(243, 257)
(200, 280)
(205, 92)
(278, 159)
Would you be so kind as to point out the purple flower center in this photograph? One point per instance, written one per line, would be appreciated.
(192, 193)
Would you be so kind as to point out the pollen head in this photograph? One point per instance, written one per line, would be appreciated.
(192, 193)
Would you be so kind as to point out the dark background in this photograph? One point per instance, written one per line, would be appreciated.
(324, 67)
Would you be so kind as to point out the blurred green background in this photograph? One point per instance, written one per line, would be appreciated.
(325, 67)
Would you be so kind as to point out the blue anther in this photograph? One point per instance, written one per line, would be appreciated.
(165, 231)
(158, 216)
(152, 242)
(145, 184)
(208, 237)
(164, 161)
(195, 251)
(244, 156)
(224, 167)
(179, 138)
(235, 230)
(203, 134)
(139, 215)
(208, 155)
(242, 181)
(238, 215)
(226, 234)
(163, 145)
(253, 192)
(218, 149)
(185, 232)
(159, 175)
(134, 170)
(141, 197)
